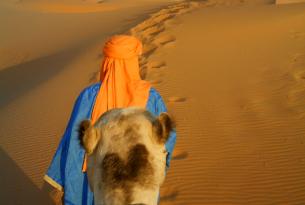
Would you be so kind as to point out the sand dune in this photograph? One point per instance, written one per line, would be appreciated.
(48, 58)
(33, 29)
(289, 1)
(232, 73)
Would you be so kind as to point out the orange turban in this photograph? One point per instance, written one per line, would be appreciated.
(121, 82)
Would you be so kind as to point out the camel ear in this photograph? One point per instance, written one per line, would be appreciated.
(162, 126)
(88, 136)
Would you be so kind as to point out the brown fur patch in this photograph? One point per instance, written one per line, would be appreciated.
(119, 174)
(137, 160)
(116, 171)
(113, 169)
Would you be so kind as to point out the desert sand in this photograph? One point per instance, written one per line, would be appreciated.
(289, 1)
(49, 51)
(231, 72)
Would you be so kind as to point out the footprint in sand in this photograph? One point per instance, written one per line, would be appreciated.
(148, 50)
(153, 31)
(184, 7)
(157, 64)
(147, 32)
(298, 59)
(142, 61)
(156, 82)
(159, 18)
(165, 40)
(168, 195)
(156, 23)
(300, 75)
(296, 95)
(173, 22)
(147, 67)
(162, 17)
(179, 155)
(176, 99)
(298, 65)
(153, 22)
(297, 34)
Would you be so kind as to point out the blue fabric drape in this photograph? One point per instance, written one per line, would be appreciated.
(65, 168)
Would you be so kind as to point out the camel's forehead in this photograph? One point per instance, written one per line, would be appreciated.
(125, 118)
(123, 128)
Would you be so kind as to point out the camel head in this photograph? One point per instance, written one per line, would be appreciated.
(126, 156)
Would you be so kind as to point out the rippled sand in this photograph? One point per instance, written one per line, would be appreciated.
(231, 72)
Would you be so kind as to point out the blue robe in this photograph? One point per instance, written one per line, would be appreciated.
(65, 171)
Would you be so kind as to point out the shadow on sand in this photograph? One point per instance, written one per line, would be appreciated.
(19, 79)
(17, 188)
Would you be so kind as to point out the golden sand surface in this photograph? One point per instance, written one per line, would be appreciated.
(231, 72)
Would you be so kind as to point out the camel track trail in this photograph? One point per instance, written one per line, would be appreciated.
(238, 98)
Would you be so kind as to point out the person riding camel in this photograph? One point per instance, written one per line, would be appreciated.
(120, 86)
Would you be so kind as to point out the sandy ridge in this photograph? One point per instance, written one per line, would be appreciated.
(252, 142)
(240, 119)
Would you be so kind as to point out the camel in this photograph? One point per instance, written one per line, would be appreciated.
(126, 156)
